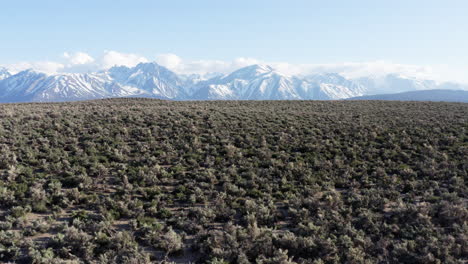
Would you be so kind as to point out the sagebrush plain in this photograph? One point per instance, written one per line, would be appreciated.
(141, 180)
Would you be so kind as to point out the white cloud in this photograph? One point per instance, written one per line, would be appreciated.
(379, 68)
(169, 60)
(177, 64)
(348, 69)
(78, 58)
(114, 58)
(354, 70)
(80, 62)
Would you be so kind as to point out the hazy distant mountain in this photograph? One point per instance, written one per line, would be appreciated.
(425, 95)
(256, 82)
(395, 83)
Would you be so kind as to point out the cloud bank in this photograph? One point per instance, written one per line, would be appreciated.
(80, 62)
(347, 69)
(73, 62)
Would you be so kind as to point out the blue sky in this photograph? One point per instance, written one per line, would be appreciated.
(412, 32)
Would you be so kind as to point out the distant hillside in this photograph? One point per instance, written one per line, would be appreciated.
(425, 95)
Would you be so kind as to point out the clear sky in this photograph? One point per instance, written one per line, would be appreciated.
(416, 32)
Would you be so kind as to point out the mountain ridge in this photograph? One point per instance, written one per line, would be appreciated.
(254, 82)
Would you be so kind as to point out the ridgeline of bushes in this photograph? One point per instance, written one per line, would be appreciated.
(269, 182)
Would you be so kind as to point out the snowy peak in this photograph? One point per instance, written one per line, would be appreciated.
(152, 78)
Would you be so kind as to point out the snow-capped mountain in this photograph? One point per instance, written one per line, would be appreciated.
(17, 87)
(154, 80)
(30, 85)
(143, 80)
(256, 82)
(262, 82)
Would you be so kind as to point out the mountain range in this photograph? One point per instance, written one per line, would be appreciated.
(256, 82)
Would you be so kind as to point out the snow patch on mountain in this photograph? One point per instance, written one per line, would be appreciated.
(4, 73)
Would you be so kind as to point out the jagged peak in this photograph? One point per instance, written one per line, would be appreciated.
(148, 66)
(121, 67)
(142, 66)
